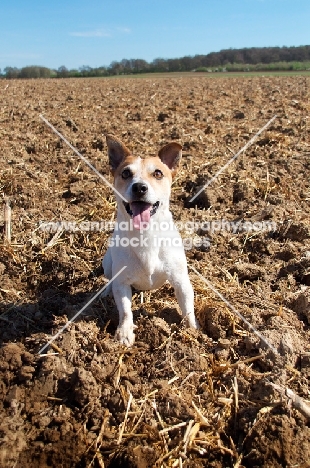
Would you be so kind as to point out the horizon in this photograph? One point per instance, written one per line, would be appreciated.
(164, 58)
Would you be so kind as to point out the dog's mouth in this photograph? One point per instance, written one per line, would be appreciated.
(141, 212)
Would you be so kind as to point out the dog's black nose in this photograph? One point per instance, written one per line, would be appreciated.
(139, 188)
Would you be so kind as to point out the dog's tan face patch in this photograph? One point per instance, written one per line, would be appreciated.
(145, 183)
(149, 170)
(169, 157)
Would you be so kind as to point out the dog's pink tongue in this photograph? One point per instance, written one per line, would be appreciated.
(141, 213)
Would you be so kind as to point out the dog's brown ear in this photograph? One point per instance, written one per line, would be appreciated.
(117, 151)
(171, 155)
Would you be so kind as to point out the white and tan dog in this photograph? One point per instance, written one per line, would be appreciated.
(145, 239)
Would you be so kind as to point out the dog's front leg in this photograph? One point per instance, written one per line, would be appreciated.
(185, 296)
(122, 296)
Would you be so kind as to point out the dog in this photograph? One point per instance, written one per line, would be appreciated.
(145, 239)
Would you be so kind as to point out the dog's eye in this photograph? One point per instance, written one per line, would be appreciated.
(158, 174)
(126, 173)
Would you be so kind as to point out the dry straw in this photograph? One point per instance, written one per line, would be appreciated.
(7, 220)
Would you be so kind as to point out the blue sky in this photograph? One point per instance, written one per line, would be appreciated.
(75, 33)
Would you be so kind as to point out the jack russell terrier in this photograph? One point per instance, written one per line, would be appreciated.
(145, 239)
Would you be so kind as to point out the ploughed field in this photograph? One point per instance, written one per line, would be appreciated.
(178, 397)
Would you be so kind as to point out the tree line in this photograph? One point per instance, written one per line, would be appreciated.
(246, 59)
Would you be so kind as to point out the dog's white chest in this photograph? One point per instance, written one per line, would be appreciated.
(144, 259)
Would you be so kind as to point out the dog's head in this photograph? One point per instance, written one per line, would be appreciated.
(145, 184)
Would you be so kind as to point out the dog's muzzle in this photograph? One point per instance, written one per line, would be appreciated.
(141, 212)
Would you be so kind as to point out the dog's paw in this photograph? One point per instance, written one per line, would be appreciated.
(192, 322)
(125, 335)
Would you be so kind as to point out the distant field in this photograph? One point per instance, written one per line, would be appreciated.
(212, 75)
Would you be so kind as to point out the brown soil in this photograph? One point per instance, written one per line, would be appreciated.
(86, 401)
